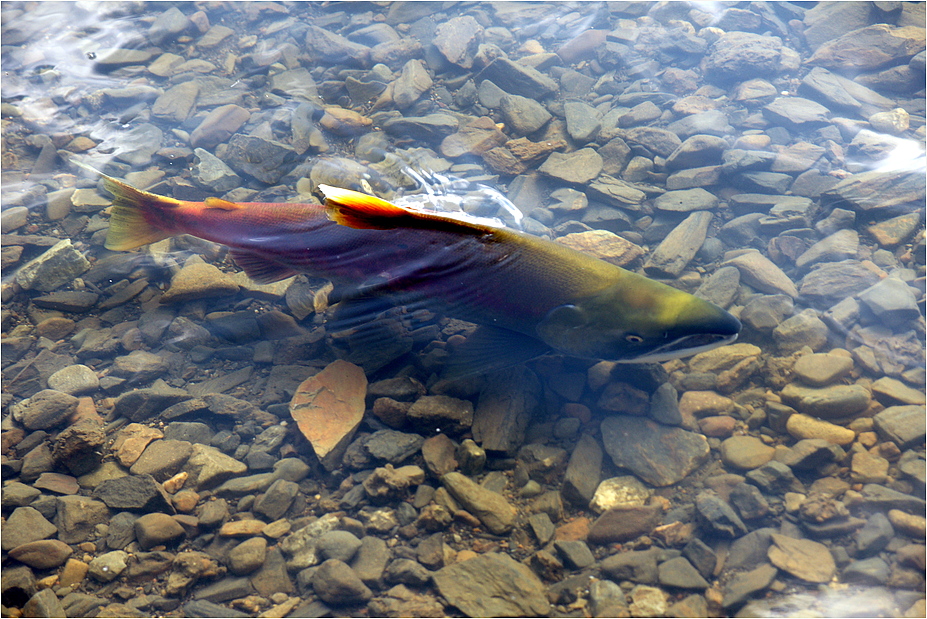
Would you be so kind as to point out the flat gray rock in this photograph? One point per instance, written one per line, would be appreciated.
(493, 585)
(658, 454)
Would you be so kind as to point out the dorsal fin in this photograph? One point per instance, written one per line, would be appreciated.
(219, 203)
(359, 210)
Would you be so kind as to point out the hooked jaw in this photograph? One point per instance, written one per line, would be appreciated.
(699, 327)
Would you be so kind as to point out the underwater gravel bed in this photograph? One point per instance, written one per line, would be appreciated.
(768, 157)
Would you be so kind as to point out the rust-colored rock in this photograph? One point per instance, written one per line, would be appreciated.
(328, 408)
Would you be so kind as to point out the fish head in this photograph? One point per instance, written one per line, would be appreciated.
(637, 320)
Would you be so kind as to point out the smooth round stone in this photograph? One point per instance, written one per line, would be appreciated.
(821, 369)
(745, 452)
(198, 280)
(108, 566)
(894, 122)
(74, 380)
(803, 426)
(156, 528)
(42, 554)
(834, 402)
(247, 556)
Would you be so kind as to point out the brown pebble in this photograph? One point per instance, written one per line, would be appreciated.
(73, 573)
(185, 501)
(42, 554)
(55, 328)
(242, 528)
(718, 426)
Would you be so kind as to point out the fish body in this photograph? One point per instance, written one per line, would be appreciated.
(530, 295)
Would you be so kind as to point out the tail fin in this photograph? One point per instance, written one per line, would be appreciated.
(128, 225)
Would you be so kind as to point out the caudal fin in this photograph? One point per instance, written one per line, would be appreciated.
(134, 214)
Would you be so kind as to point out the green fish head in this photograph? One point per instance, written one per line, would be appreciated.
(638, 320)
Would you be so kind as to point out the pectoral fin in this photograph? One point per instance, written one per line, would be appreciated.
(489, 349)
(259, 268)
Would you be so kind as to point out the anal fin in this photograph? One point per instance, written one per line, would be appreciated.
(259, 268)
(491, 348)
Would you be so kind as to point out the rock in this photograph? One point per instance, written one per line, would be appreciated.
(624, 523)
(868, 48)
(74, 380)
(156, 528)
(718, 515)
(518, 79)
(634, 443)
(44, 410)
(604, 245)
(805, 559)
(745, 452)
(162, 459)
(873, 571)
(56, 267)
(647, 602)
(108, 566)
(658, 141)
(412, 83)
(697, 151)
(796, 112)
(439, 453)
(444, 412)
(197, 280)
(822, 369)
(758, 271)
(739, 589)
(42, 554)
(523, 115)
(679, 573)
(616, 192)
(492, 585)
(325, 45)
(503, 409)
(474, 138)
(336, 583)
(457, 39)
(635, 565)
(803, 329)
(838, 246)
(903, 425)
(908, 524)
(328, 408)
(891, 301)
(892, 232)
(430, 128)
(877, 191)
(583, 121)
(491, 508)
(219, 125)
(737, 56)
(831, 402)
(177, 102)
(266, 160)
(712, 122)
(686, 201)
(807, 427)
(208, 467)
(139, 366)
(583, 471)
(211, 173)
(673, 255)
(617, 492)
(248, 556)
(133, 492)
(25, 525)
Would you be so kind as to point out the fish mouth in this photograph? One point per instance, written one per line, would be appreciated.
(685, 346)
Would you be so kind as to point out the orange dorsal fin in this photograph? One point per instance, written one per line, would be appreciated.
(224, 205)
(360, 210)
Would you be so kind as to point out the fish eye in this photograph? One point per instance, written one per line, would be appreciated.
(633, 338)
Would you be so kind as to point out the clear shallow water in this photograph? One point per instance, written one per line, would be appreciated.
(62, 87)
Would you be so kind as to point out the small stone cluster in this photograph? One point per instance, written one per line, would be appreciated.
(180, 441)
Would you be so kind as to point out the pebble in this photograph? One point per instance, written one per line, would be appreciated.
(197, 280)
(328, 408)
(745, 452)
(156, 528)
(803, 558)
(42, 554)
(632, 441)
(807, 427)
(492, 585)
(491, 508)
